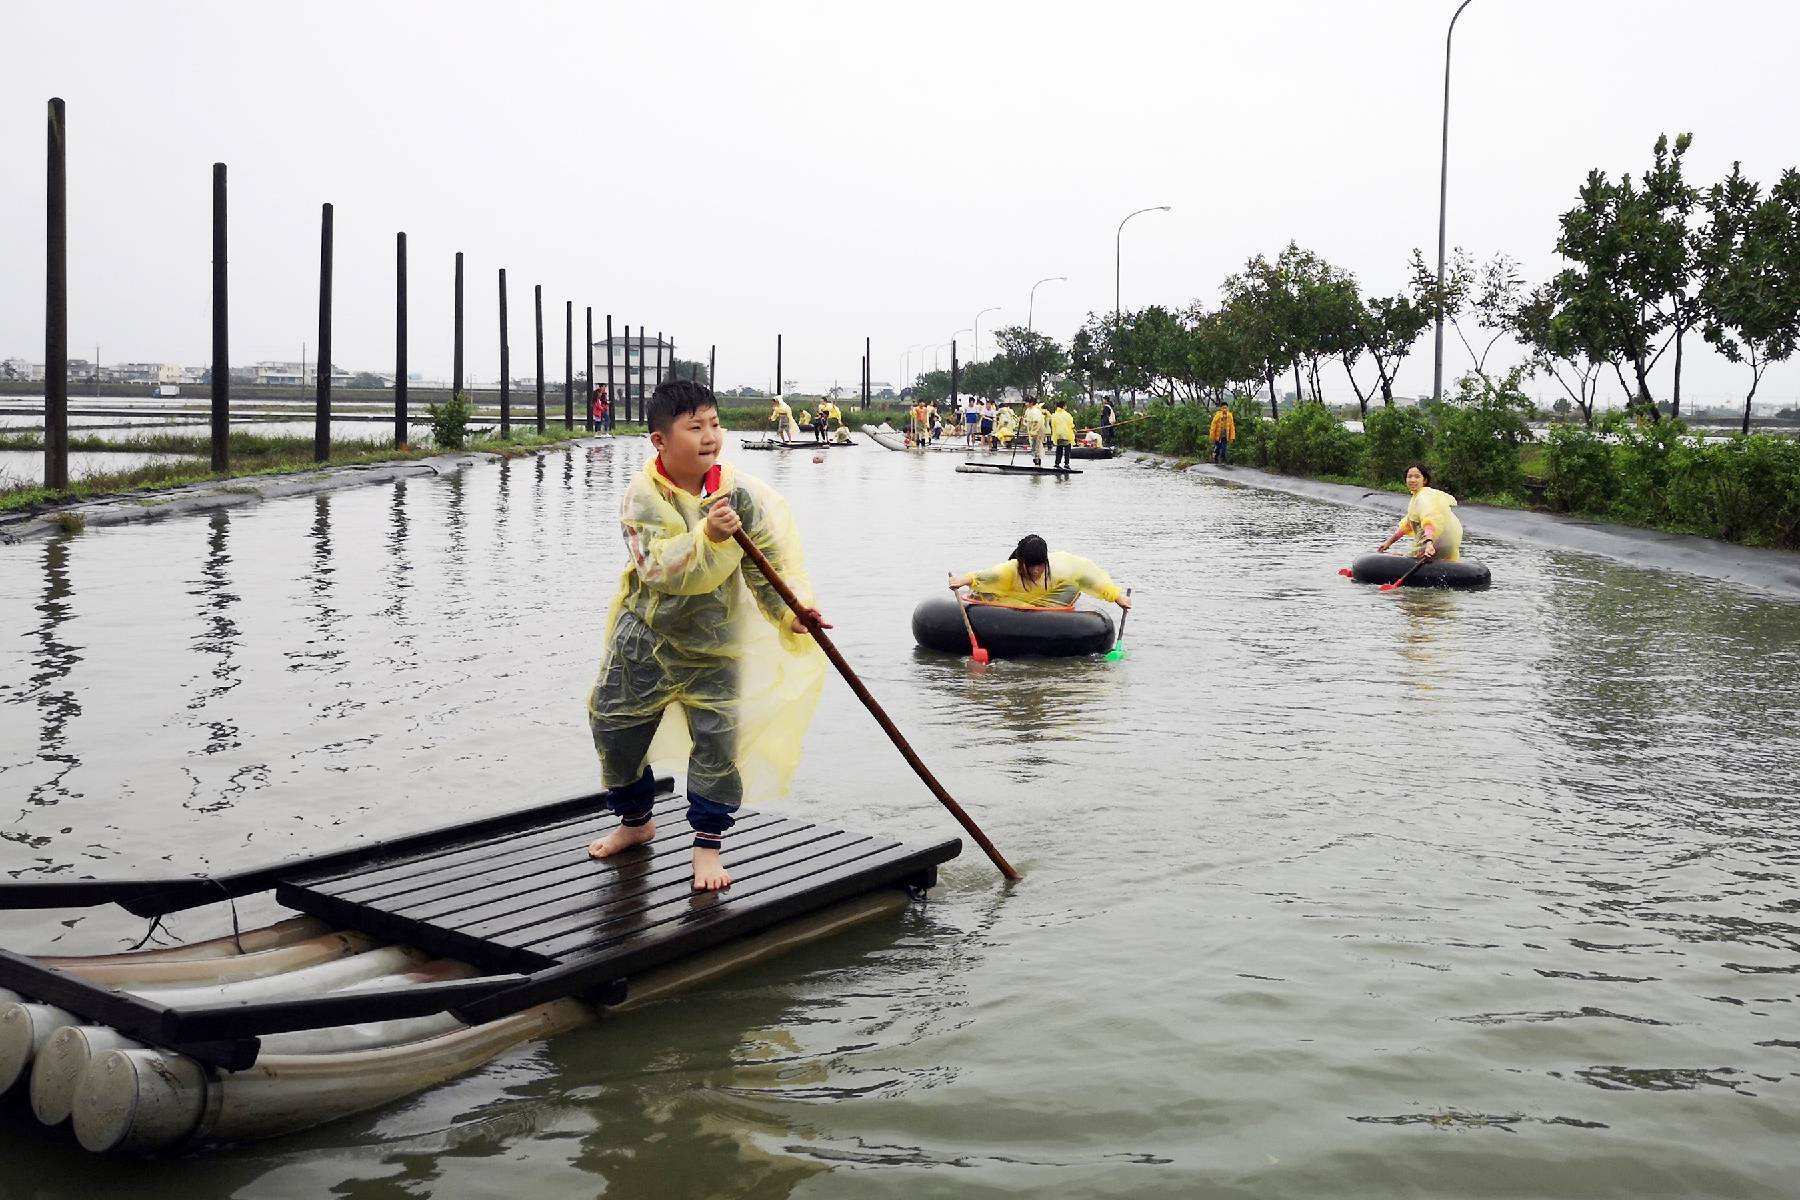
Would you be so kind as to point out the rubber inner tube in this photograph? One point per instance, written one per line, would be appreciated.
(1385, 568)
(1007, 632)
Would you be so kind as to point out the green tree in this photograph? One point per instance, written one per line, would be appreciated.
(1749, 256)
(1548, 328)
(932, 387)
(1388, 327)
(1028, 359)
(1256, 308)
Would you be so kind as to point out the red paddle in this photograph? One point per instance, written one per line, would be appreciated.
(1388, 587)
(975, 650)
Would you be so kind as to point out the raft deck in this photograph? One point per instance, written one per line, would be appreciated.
(515, 896)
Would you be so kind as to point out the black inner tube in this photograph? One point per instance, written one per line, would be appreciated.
(1006, 632)
(1386, 568)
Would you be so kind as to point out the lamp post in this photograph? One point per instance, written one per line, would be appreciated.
(1437, 358)
(975, 356)
(953, 338)
(1118, 237)
(1031, 304)
(906, 376)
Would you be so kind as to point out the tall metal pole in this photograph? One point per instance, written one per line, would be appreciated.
(221, 340)
(538, 300)
(322, 413)
(56, 303)
(456, 358)
(612, 394)
(625, 365)
(975, 354)
(505, 365)
(400, 363)
(568, 365)
(1031, 303)
(590, 368)
(1118, 238)
(1437, 356)
(712, 368)
(659, 358)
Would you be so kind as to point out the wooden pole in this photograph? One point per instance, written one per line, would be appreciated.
(642, 371)
(505, 365)
(568, 365)
(659, 358)
(401, 429)
(712, 368)
(590, 368)
(868, 370)
(221, 342)
(56, 302)
(538, 292)
(612, 393)
(875, 710)
(626, 342)
(456, 355)
(778, 364)
(322, 412)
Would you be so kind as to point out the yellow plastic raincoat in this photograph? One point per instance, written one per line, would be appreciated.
(1004, 425)
(1062, 427)
(695, 626)
(1430, 509)
(1069, 576)
(782, 418)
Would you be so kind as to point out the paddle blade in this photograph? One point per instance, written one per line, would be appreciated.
(1115, 654)
(1346, 572)
(979, 655)
(1388, 587)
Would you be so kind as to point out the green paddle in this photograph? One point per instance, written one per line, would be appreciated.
(1118, 650)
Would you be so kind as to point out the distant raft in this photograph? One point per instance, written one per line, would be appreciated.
(1011, 631)
(1385, 568)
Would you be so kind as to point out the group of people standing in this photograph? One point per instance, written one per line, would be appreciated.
(825, 423)
(997, 427)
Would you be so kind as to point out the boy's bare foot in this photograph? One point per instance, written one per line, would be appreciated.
(622, 838)
(710, 874)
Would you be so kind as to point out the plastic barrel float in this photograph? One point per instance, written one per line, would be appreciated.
(1011, 631)
(1386, 568)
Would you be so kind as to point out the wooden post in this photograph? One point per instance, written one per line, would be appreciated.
(868, 370)
(612, 395)
(590, 368)
(641, 371)
(456, 355)
(712, 368)
(568, 365)
(505, 365)
(56, 303)
(778, 364)
(221, 347)
(659, 358)
(322, 413)
(538, 292)
(401, 431)
(627, 365)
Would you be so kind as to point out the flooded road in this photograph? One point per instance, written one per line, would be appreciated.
(1327, 892)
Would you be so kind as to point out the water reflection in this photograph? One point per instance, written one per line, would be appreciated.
(218, 636)
(57, 703)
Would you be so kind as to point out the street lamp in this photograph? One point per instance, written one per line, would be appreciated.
(1437, 359)
(952, 341)
(975, 355)
(1031, 305)
(906, 378)
(1118, 236)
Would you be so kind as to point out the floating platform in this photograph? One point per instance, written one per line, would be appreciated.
(999, 468)
(782, 444)
(892, 439)
(411, 961)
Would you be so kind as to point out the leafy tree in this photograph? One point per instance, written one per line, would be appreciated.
(1749, 255)
(1477, 300)
(687, 368)
(1388, 327)
(1256, 304)
(365, 379)
(1027, 359)
(932, 387)
(1548, 328)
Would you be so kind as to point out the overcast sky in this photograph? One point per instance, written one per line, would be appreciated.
(727, 171)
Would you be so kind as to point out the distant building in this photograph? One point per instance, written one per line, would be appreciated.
(19, 369)
(855, 393)
(289, 374)
(627, 370)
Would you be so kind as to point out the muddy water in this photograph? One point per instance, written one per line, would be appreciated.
(1328, 893)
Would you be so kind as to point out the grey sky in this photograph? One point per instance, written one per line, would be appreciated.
(726, 171)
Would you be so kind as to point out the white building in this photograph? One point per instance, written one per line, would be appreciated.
(19, 369)
(627, 370)
(842, 393)
(289, 374)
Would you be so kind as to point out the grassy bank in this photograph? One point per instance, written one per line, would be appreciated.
(1629, 470)
(251, 454)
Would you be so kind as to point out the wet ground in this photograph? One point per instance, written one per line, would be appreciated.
(1328, 892)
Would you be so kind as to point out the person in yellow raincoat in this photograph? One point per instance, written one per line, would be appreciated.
(1222, 432)
(1435, 530)
(1033, 427)
(700, 647)
(1062, 434)
(1005, 426)
(781, 417)
(1038, 577)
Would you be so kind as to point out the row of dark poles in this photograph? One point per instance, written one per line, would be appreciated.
(56, 332)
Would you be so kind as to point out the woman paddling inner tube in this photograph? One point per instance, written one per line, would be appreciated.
(1436, 560)
(1024, 606)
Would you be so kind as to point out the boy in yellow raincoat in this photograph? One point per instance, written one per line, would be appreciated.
(1062, 434)
(1038, 577)
(1435, 530)
(695, 628)
(1221, 432)
(1033, 427)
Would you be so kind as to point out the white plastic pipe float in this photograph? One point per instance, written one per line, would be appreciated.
(26, 1028)
(136, 973)
(57, 1069)
(143, 1100)
(269, 937)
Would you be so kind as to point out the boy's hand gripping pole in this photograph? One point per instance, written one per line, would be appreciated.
(875, 710)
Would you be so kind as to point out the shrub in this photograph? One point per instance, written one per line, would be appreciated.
(1311, 440)
(1747, 489)
(450, 421)
(1579, 475)
(1184, 431)
(1641, 460)
(1476, 437)
(1393, 438)
(1254, 432)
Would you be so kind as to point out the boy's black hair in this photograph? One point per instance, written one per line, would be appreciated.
(674, 399)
